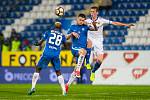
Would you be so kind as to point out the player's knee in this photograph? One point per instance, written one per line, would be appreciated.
(100, 58)
(74, 60)
(82, 51)
(58, 73)
(89, 43)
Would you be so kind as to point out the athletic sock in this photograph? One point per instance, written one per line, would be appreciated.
(61, 82)
(80, 62)
(88, 55)
(96, 66)
(71, 79)
(34, 79)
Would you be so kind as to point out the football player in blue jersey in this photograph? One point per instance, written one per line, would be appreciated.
(78, 34)
(54, 38)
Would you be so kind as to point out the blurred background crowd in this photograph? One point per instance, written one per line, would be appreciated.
(23, 21)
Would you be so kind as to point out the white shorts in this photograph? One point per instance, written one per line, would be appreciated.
(97, 46)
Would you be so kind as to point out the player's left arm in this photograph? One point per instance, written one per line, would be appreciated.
(105, 21)
(122, 24)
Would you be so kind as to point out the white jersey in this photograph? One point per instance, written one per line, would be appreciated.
(100, 22)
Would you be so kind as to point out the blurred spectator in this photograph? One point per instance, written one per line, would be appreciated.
(1, 43)
(16, 43)
(26, 45)
(1, 40)
(6, 45)
(106, 4)
(13, 34)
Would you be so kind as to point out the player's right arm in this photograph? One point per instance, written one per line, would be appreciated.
(71, 33)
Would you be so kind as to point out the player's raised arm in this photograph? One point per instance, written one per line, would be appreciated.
(122, 24)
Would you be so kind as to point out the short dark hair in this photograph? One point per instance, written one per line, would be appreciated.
(82, 15)
(95, 7)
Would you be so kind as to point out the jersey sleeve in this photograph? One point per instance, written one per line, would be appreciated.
(70, 30)
(44, 36)
(105, 21)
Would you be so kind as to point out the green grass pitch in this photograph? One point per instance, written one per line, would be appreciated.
(76, 92)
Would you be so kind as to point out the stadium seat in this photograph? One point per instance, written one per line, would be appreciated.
(119, 47)
(126, 47)
(145, 33)
(147, 47)
(113, 48)
(135, 41)
(142, 41)
(14, 9)
(134, 47)
(128, 41)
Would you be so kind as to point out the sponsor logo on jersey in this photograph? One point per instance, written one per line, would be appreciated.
(107, 72)
(130, 56)
(139, 72)
(83, 29)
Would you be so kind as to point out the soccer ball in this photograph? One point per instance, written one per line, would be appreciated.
(59, 11)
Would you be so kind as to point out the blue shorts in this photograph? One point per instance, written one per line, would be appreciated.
(44, 61)
(75, 51)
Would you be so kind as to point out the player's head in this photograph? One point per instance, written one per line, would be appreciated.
(80, 19)
(58, 25)
(94, 11)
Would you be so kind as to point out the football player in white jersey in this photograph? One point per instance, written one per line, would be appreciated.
(97, 37)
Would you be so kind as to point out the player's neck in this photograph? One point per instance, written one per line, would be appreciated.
(94, 18)
(57, 29)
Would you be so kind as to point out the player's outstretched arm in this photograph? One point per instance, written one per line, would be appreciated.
(122, 24)
(37, 43)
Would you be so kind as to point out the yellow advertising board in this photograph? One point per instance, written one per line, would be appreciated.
(30, 58)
